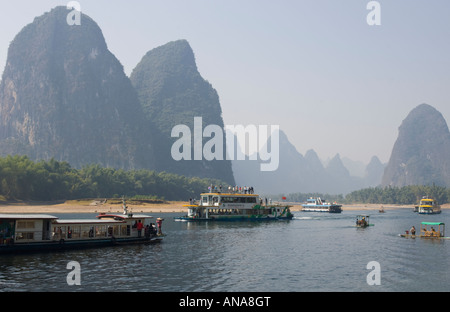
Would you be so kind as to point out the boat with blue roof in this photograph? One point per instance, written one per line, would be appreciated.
(316, 204)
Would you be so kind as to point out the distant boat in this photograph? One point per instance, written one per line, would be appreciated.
(429, 206)
(362, 221)
(318, 205)
(428, 230)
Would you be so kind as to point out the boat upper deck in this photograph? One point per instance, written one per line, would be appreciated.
(231, 194)
(102, 218)
(12, 216)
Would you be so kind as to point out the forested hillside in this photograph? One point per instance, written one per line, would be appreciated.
(24, 179)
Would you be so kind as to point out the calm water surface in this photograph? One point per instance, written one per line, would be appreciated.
(312, 252)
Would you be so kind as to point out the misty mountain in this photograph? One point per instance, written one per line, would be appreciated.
(420, 155)
(354, 167)
(303, 174)
(64, 95)
(374, 172)
(172, 92)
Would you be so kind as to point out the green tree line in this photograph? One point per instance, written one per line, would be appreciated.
(406, 195)
(24, 179)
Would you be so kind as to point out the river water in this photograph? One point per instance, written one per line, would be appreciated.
(313, 252)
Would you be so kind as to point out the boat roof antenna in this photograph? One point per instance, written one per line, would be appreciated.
(124, 206)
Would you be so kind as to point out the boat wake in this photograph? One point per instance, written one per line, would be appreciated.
(303, 218)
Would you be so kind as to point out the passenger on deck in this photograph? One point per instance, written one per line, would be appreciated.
(152, 229)
(139, 228)
(159, 224)
(433, 232)
(147, 231)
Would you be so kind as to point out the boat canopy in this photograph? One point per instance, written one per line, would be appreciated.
(433, 223)
(432, 233)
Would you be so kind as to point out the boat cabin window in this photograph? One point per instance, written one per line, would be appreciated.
(125, 230)
(25, 224)
(24, 228)
(100, 231)
(24, 236)
(251, 200)
(74, 232)
(114, 231)
(231, 200)
(59, 232)
(6, 231)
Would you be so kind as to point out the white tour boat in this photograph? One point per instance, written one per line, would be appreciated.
(318, 205)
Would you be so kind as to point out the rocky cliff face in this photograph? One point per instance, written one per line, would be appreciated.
(64, 95)
(172, 92)
(421, 153)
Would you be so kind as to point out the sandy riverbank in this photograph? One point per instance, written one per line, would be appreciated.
(173, 206)
(92, 207)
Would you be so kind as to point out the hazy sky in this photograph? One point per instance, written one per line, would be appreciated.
(315, 67)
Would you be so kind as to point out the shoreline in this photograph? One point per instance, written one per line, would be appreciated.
(171, 206)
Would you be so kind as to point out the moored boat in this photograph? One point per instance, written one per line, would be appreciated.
(217, 206)
(42, 232)
(318, 205)
(428, 206)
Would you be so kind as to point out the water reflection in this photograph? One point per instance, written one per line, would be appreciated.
(312, 252)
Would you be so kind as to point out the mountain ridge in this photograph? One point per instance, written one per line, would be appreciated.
(60, 85)
(420, 153)
(303, 174)
(172, 92)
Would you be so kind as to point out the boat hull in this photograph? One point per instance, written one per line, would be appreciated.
(429, 212)
(329, 209)
(233, 218)
(422, 236)
(74, 244)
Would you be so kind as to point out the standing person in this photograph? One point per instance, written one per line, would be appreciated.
(147, 231)
(139, 227)
(159, 224)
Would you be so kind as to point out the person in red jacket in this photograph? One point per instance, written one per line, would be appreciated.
(139, 227)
